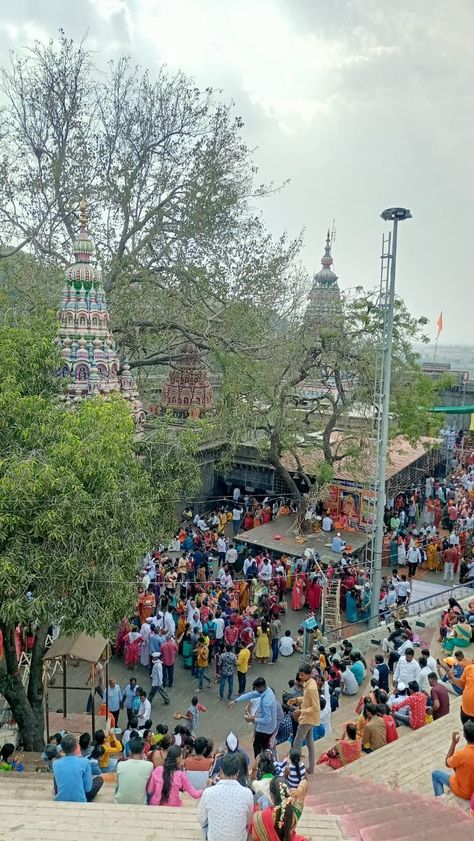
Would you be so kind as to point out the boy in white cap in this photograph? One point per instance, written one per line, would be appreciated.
(157, 679)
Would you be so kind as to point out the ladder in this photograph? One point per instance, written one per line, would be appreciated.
(330, 609)
(372, 489)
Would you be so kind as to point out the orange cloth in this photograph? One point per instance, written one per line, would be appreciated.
(462, 781)
(467, 683)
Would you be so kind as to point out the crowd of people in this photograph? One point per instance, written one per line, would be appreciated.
(434, 529)
(265, 795)
(214, 607)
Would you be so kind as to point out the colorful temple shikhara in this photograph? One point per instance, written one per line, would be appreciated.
(90, 360)
(325, 296)
(187, 392)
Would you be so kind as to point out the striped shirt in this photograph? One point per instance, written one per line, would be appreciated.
(292, 779)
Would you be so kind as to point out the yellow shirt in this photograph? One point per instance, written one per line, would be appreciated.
(111, 745)
(310, 709)
(202, 656)
(243, 660)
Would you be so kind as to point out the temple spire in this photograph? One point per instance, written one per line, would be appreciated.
(324, 297)
(88, 351)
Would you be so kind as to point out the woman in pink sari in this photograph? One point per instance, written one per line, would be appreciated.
(132, 646)
(347, 750)
(298, 594)
(278, 822)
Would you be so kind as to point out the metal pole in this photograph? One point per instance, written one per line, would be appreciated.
(93, 698)
(64, 687)
(107, 689)
(383, 446)
(46, 701)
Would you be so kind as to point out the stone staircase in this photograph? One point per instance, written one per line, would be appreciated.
(407, 763)
(385, 796)
(368, 811)
(28, 812)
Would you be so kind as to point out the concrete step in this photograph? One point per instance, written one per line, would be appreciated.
(426, 748)
(96, 821)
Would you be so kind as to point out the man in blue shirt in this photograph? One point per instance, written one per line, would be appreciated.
(338, 543)
(73, 775)
(128, 697)
(265, 717)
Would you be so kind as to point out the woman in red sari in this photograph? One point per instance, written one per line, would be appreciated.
(298, 594)
(122, 632)
(278, 822)
(248, 521)
(314, 594)
(347, 749)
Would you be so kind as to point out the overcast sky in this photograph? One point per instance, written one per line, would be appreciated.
(362, 104)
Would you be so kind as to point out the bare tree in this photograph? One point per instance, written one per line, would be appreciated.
(172, 193)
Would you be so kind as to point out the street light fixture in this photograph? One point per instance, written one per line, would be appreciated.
(395, 215)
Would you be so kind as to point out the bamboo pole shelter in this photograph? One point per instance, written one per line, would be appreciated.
(82, 647)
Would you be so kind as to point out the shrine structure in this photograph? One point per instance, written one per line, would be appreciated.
(325, 296)
(89, 358)
(187, 392)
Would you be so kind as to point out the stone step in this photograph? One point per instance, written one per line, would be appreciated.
(353, 821)
(96, 821)
(397, 828)
(426, 749)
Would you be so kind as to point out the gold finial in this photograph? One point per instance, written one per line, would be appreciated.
(83, 215)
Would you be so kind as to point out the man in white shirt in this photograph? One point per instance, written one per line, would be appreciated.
(325, 713)
(231, 556)
(225, 810)
(453, 539)
(221, 548)
(407, 668)
(219, 625)
(225, 578)
(286, 645)
(403, 590)
(327, 524)
(413, 558)
(144, 710)
(236, 518)
(424, 672)
(265, 574)
(425, 652)
(169, 623)
(470, 571)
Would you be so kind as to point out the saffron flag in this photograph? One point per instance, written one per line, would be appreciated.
(439, 323)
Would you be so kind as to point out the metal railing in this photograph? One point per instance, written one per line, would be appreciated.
(422, 605)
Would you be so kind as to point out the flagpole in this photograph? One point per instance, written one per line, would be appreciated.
(439, 324)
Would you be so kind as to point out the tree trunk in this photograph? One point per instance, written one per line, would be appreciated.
(35, 683)
(30, 726)
(293, 489)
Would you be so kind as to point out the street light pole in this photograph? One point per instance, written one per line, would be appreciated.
(395, 214)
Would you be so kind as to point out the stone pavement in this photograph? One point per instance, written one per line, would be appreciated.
(219, 719)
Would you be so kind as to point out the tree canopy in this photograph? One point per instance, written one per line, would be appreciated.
(78, 508)
(172, 191)
(312, 392)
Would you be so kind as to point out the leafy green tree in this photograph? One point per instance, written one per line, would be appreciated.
(308, 402)
(29, 288)
(78, 509)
